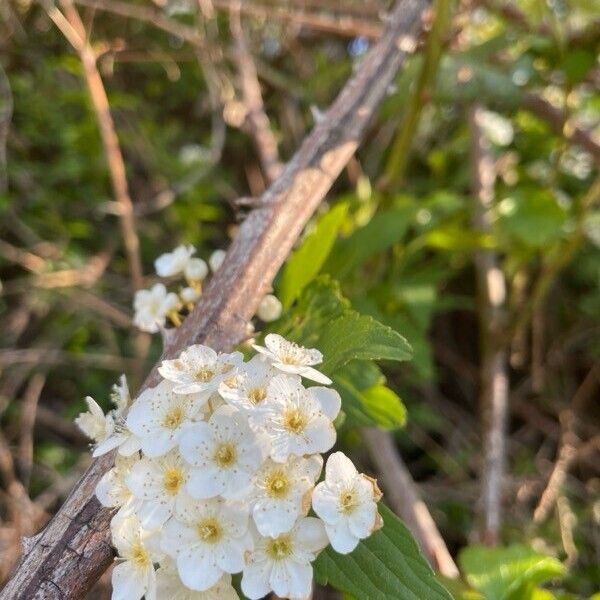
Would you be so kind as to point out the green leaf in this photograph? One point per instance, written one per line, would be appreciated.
(533, 216)
(382, 231)
(353, 336)
(386, 566)
(306, 262)
(508, 573)
(376, 406)
(320, 302)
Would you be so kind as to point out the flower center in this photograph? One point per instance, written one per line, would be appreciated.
(174, 417)
(289, 359)
(173, 480)
(349, 501)
(225, 455)
(257, 395)
(139, 556)
(210, 530)
(294, 420)
(204, 375)
(277, 485)
(280, 547)
(226, 368)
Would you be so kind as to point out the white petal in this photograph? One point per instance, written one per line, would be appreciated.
(206, 482)
(362, 520)
(130, 446)
(198, 568)
(197, 445)
(291, 580)
(329, 399)
(274, 517)
(255, 580)
(154, 514)
(314, 375)
(341, 538)
(128, 582)
(310, 534)
(325, 502)
(340, 469)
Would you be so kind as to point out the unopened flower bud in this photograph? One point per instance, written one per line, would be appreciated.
(269, 309)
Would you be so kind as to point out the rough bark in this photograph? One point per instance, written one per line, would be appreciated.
(70, 554)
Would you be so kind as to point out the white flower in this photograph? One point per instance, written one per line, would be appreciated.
(93, 423)
(225, 452)
(134, 575)
(159, 416)
(291, 358)
(207, 538)
(112, 490)
(169, 586)
(283, 564)
(298, 420)
(195, 270)
(269, 309)
(175, 262)
(282, 493)
(199, 369)
(107, 431)
(249, 388)
(347, 503)
(190, 295)
(216, 260)
(159, 485)
(152, 307)
(120, 396)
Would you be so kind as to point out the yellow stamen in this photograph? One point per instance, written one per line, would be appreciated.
(210, 531)
(280, 547)
(225, 455)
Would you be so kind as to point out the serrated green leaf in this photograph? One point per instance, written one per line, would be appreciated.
(386, 566)
(360, 337)
(508, 573)
(382, 231)
(306, 262)
(320, 302)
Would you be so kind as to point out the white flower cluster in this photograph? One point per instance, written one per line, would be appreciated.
(154, 306)
(216, 472)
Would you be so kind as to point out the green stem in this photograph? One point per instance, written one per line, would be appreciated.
(398, 158)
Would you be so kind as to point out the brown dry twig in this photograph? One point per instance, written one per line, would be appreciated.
(71, 553)
(256, 117)
(403, 497)
(29, 405)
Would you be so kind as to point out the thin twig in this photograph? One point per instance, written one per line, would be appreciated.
(402, 495)
(491, 285)
(74, 30)
(569, 445)
(256, 117)
(28, 415)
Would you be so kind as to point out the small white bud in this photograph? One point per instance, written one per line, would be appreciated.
(269, 309)
(189, 295)
(216, 260)
(196, 269)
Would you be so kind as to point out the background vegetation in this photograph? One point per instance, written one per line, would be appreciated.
(468, 221)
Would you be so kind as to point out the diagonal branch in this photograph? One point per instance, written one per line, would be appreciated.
(65, 559)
